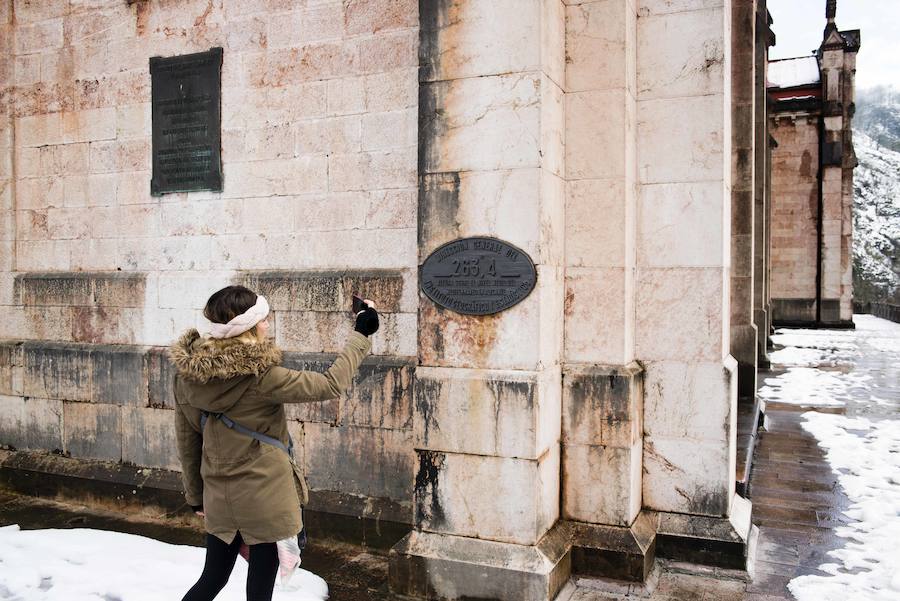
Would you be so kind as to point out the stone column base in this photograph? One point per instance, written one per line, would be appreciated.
(761, 319)
(743, 348)
(441, 566)
(726, 542)
(619, 552)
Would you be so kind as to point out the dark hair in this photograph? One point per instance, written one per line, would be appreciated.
(228, 303)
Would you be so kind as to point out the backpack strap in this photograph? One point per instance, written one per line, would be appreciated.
(233, 425)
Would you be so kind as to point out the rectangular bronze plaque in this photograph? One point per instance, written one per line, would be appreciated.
(187, 122)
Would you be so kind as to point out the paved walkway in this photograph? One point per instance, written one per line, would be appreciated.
(844, 385)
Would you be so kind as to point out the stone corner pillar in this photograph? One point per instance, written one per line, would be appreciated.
(684, 279)
(488, 387)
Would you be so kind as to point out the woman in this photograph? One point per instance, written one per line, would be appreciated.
(232, 434)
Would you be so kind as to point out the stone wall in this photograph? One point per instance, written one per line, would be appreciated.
(319, 147)
(795, 193)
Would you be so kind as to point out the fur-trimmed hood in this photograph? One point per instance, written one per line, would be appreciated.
(200, 360)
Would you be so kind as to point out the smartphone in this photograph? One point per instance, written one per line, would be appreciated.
(358, 304)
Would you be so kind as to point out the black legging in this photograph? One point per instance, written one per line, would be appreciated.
(220, 560)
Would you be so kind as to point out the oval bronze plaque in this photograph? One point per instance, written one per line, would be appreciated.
(477, 276)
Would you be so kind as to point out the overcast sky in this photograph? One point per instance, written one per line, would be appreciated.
(799, 23)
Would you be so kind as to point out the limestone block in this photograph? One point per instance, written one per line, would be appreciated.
(617, 501)
(309, 24)
(119, 375)
(46, 289)
(552, 218)
(212, 217)
(681, 139)
(487, 412)
(43, 255)
(30, 225)
(12, 409)
(67, 224)
(553, 127)
(132, 121)
(474, 39)
(42, 421)
(119, 289)
(372, 170)
(666, 211)
(661, 7)
(11, 368)
(691, 401)
(390, 90)
(507, 340)
(602, 405)
(596, 324)
(391, 209)
(93, 431)
(386, 52)
(42, 323)
(300, 175)
(326, 332)
(98, 325)
(687, 306)
(367, 16)
(160, 379)
(30, 12)
(40, 193)
(189, 290)
(600, 41)
(39, 36)
(522, 505)
(553, 41)
(481, 123)
(590, 243)
(687, 476)
(256, 107)
(148, 438)
(101, 190)
(39, 130)
(337, 135)
(55, 370)
(371, 462)
(395, 129)
(682, 54)
(452, 206)
(439, 566)
(598, 123)
(75, 191)
(60, 159)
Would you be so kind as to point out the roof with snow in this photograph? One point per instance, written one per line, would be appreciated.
(793, 72)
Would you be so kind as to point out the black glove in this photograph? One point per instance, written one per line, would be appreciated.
(367, 321)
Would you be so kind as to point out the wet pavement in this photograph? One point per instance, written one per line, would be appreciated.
(798, 501)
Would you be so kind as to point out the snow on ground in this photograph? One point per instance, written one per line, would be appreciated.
(861, 374)
(95, 565)
(866, 456)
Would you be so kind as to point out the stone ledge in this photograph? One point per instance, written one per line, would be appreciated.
(441, 566)
(622, 553)
(326, 290)
(727, 542)
(130, 489)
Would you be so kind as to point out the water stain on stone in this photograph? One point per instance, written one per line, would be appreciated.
(427, 496)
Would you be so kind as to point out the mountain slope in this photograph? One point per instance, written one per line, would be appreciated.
(876, 211)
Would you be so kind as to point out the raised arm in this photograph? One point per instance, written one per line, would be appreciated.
(283, 385)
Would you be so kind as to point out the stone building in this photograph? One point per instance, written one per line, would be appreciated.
(620, 144)
(812, 181)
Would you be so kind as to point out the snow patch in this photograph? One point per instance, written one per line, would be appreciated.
(95, 565)
(866, 456)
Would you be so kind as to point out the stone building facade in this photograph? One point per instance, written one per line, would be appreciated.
(589, 428)
(812, 181)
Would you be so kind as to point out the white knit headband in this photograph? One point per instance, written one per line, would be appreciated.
(242, 322)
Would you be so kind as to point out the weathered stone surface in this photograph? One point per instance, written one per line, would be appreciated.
(11, 368)
(370, 462)
(728, 542)
(93, 431)
(523, 504)
(80, 289)
(624, 552)
(57, 371)
(688, 400)
(687, 476)
(618, 500)
(160, 379)
(486, 412)
(597, 321)
(119, 375)
(148, 438)
(441, 566)
(602, 405)
(598, 36)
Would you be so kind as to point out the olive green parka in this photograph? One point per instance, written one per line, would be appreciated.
(245, 485)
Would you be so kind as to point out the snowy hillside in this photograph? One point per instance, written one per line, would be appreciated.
(876, 219)
(878, 116)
